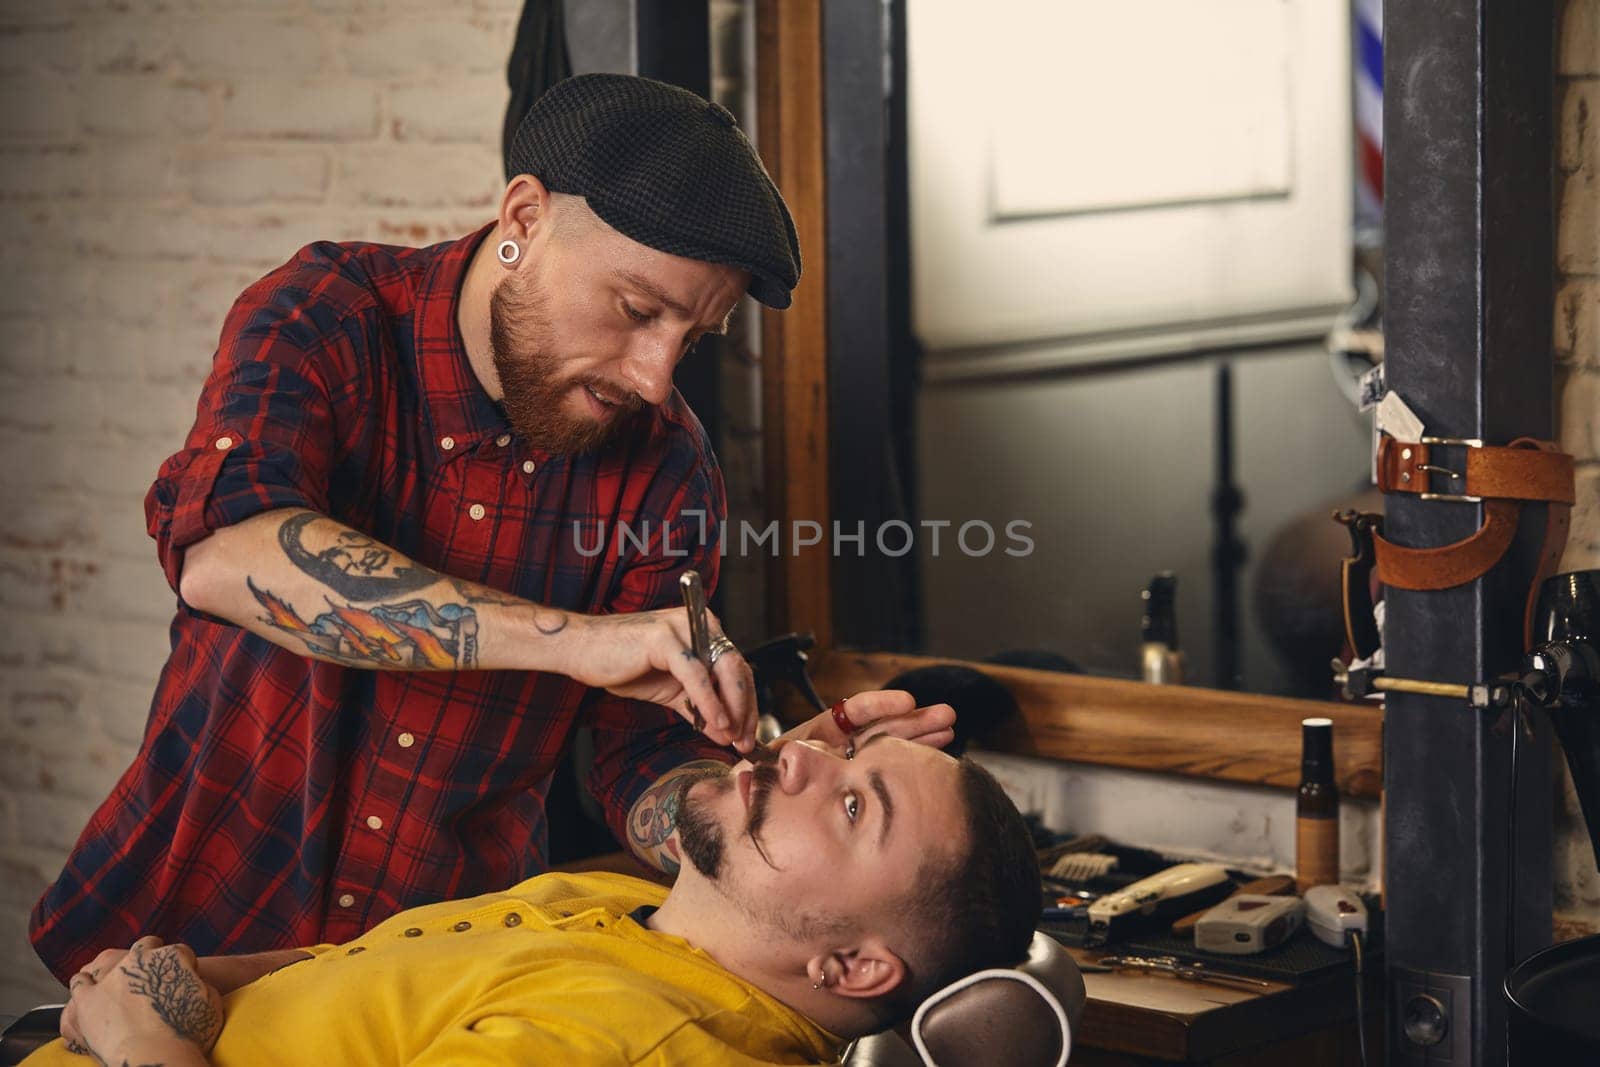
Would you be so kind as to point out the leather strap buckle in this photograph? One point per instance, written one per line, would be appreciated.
(1503, 479)
(1460, 442)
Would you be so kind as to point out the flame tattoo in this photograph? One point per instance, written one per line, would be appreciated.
(413, 635)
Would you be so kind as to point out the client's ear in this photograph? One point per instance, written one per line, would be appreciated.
(867, 970)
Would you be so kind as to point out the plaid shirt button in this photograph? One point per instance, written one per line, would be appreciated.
(527, 466)
(374, 822)
(347, 900)
(447, 442)
(477, 512)
(503, 440)
(224, 443)
(406, 740)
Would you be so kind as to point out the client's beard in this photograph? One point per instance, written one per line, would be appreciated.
(531, 387)
(701, 837)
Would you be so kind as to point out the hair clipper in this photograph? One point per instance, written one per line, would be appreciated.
(1155, 901)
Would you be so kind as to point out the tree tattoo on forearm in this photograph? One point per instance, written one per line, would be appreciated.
(175, 993)
(655, 814)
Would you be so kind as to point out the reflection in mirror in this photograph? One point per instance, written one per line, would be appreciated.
(1131, 236)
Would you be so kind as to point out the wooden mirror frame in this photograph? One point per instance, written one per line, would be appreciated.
(1244, 738)
(1205, 733)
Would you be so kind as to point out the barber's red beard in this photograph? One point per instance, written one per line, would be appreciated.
(534, 391)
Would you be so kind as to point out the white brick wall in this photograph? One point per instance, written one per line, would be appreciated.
(155, 157)
(1577, 342)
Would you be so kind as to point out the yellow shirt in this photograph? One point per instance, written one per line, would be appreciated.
(550, 972)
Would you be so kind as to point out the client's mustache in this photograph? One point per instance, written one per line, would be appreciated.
(763, 778)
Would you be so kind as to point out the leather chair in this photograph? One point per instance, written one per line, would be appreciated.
(1022, 1016)
(38, 1027)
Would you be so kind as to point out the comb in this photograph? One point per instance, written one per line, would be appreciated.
(1083, 866)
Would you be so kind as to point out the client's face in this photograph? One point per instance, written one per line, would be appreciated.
(808, 835)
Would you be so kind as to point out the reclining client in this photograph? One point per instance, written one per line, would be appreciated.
(825, 891)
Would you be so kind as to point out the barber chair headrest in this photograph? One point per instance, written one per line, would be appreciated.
(1022, 1016)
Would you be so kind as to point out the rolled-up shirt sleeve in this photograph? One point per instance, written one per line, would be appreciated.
(263, 437)
(636, 742)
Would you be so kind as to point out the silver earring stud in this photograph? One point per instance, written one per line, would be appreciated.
(509, 252)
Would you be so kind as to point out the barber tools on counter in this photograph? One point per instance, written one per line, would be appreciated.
(1160, 662)
(1333, 914)
(1248, 923)
(1273, 885)
(1198, 922)
(1192, 972)
(1155, 901)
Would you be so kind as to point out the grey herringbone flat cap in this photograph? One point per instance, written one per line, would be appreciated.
(666, 168)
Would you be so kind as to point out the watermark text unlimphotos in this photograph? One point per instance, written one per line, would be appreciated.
(894, 538)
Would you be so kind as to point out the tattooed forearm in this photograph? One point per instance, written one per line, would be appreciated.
(412, 635)
(548, 621)
(353, 565)
(175, 993)
(478, 594)
(655, 814)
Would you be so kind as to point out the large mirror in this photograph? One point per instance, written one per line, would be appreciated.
(1130, 237)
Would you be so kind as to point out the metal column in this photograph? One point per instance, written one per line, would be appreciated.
(1469, 253)
(871, 357)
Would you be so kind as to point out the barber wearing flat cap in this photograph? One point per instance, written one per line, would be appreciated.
(393, 535)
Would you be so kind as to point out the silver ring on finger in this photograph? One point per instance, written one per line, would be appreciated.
(720, 646)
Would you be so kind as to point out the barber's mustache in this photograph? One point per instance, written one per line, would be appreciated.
(627, 401)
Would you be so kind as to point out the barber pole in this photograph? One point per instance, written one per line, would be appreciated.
(1369, 113)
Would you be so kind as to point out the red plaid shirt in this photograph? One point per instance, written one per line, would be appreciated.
(280, 801)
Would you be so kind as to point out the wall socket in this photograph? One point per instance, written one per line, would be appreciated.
(1430, 1018)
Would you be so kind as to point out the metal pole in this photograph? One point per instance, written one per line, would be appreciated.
(1469, 257)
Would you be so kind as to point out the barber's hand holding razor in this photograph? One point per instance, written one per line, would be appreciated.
(145, 1004)
(891, 711)
(649, 655)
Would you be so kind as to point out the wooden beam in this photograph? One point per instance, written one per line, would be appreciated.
(794, 343)
(1171, 729)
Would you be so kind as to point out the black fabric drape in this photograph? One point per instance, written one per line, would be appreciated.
(538, 60)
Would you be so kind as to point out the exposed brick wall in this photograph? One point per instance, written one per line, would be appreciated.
(155, 157)
(1577, 341)
(744, 577)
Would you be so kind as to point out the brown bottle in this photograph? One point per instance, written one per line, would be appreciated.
(1316, 808)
